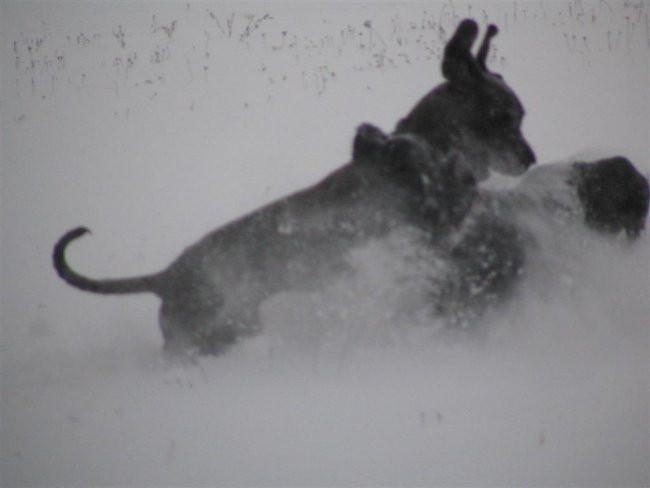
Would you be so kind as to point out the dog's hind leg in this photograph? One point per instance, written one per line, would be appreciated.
(229, 330)
(204, 331)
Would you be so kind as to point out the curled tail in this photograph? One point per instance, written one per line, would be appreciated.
(143, 284)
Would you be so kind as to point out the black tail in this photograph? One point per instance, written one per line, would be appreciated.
(144, 284)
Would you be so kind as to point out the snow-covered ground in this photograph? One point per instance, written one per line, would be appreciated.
(153, 123)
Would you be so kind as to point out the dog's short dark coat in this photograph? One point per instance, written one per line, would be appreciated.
(490, 251)
(211, 293)
(614, 195)
(424, 175)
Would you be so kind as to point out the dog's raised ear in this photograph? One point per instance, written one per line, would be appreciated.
(458, 64)
(368, 142)
(482, 55)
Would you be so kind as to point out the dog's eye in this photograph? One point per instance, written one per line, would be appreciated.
(504, 118)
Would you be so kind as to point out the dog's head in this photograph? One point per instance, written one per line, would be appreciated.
(614, 195)
(439, 187)
(474, 112)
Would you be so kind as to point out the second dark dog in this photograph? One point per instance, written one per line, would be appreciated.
(504, 231)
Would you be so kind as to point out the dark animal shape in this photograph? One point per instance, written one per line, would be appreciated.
(474, 112)
(609, 196)
(210, 294)
(487, 256)
(613, 194)
(490, 250)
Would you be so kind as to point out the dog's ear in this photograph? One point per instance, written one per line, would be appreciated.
(482, 55)
(458, 63)
(368, 142)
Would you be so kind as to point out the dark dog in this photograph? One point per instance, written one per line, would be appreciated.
(474, 112)
(210, 294)
(609, 196)
(487, 258)
(613, 194)
(489, 252)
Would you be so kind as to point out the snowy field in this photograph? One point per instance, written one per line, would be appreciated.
(152, 123)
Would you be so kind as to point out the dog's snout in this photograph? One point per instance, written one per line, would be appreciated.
(528, 157)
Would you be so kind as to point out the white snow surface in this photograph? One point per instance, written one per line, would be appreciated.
(153, 123)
